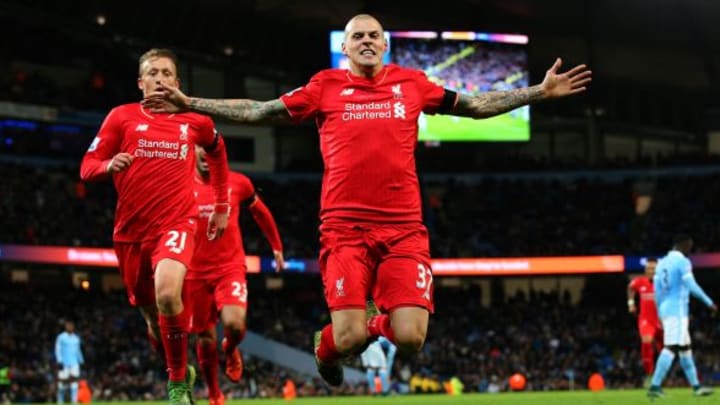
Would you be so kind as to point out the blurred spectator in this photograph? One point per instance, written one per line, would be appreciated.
(477, 218)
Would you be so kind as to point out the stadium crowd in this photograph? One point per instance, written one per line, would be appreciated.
(482, 217)
(468, 67)
(555, 343)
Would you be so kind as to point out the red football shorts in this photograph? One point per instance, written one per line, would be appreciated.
(647, 328)
(137, 260)
(388, 262)
(208, 296)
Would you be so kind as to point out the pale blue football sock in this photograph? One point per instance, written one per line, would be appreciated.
(662, 366)
(385, 378)
(73, 392)
(61, 393)
(370, 375)
(688, 366)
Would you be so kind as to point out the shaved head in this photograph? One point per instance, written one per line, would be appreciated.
(352, 23)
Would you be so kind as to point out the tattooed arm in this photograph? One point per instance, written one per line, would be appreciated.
(170, 99)
(242, 110)
(495, 103)
(554, 85)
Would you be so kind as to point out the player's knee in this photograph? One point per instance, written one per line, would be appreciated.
(409, 339)
(206, 339)
(350, 338)
(167, 302)
(234, 326)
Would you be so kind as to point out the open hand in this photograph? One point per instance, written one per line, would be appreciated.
(166, 99)
(571, 82)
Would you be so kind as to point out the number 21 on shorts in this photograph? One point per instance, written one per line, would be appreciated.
(176, 241)
(424, 280)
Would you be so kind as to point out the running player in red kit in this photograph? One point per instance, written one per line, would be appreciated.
(649, 326)
(216, 282)
(150, 158)
(372, 240)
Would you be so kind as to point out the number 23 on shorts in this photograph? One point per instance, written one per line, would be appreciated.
(240, 291)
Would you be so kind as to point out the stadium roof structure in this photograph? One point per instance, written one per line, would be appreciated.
(669, 46)
(276, 31)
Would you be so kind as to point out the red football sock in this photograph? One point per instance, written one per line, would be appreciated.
(327, 352)
(648, 359)
(379, 325)
(174, 330)
(208, 361)
(233, 339)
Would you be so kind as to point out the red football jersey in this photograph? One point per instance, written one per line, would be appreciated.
(368, 133)
(156, 191)
(227, 251)
(648, 308)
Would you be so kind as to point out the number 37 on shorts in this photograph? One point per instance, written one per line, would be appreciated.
(424, 280)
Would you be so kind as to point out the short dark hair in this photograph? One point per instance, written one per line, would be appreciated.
(157, 53)
(651, 259)
(681, 238)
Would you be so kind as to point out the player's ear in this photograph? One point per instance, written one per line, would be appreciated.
(343, 48)
(140, 83)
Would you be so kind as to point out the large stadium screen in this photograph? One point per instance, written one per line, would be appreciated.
(466, 62)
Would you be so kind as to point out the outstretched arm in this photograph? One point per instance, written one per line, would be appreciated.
(554, 85)
(242, 110)
(171, 99)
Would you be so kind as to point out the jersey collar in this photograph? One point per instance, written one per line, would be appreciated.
(379, 78)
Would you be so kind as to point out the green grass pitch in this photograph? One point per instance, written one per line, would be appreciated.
(680, 396)
(501, 128)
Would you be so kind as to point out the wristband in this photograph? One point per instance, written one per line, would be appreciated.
(631, 302)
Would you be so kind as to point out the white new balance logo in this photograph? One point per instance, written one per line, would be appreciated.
(347, 92)
(141, 128)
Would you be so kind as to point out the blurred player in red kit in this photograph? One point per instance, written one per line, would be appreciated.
(372, 239)
(150, 158)
(649, 326)
(215, 282)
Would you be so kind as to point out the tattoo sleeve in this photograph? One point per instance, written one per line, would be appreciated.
(243, 110)
(494, 103)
